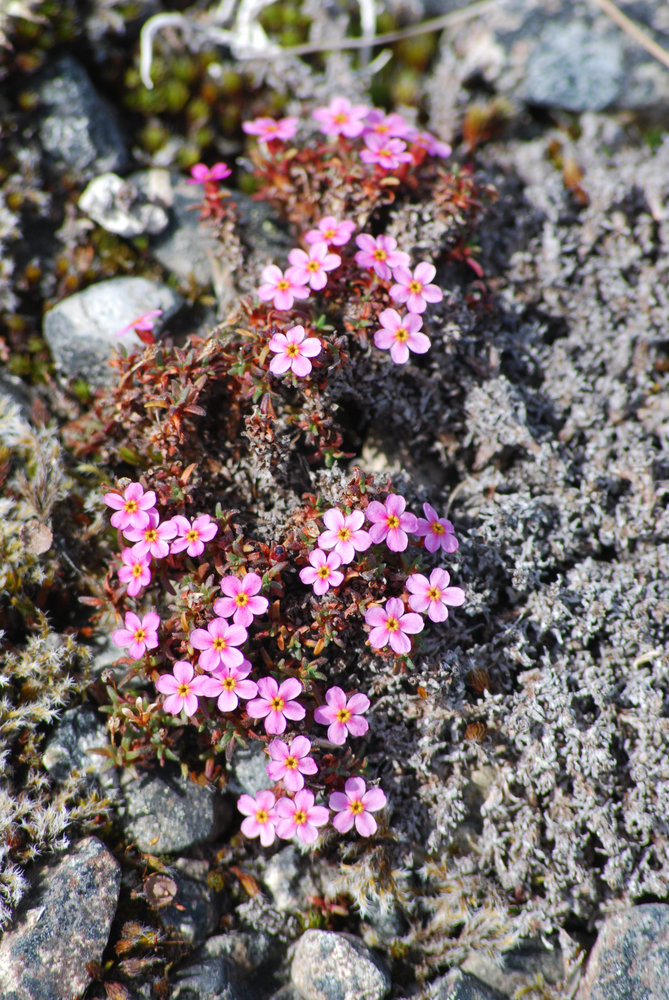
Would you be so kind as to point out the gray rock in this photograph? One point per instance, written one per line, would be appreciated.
(630, 959)
(283, 876)
(194, 914)
(187, 248)
(329, 966)
(249, 951)
(208, 979)
(164, 813)
(119, 207)
(511, 971)
(574, 68)
(78, 731)
(62, 925)
(559, 53)
(78, 131)
(458, 985)
(247, 770)
(232, 966)
(82, 329)
(382, 925)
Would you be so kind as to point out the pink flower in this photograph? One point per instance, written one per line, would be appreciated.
(344, 534)
(201, 174)
(293, 351)
(438, 532)
(289, 763)
(300, 817)
(323, 572)
(138, 634)
(269, 129)
(429, 142)
(392, 625)
(415, 289)
(260, 815)
(192, 537)
(387, 153)
(153, 540)
(311, 268)
(343, 716)
(277, 703)
(400, 335)
(240, 602)
(390, 522)
(379, 123)
(354, 805)
(331, 231)
(434, 595)
(132, 509)
(135, 571)
(229, 684)
(280, 288)
(341, 117)
(143, 323)
(218, 643)
(380, 253)
(182, 688)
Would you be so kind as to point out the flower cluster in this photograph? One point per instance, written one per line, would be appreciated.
(218, 670)
(296, 814)
(389, 143)
(232, 643)
(390, 524)
(137, 518)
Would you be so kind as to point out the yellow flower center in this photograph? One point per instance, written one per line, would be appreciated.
(137, 570)
(291, 763)
(357, 807)
(344, 534)
(437, 528)
(343, 715)
(241, 599)
(379, 254)
(401, 334)
(140, 635)
(434, 594)
(150, 535)
(183, 690)
(393, 521)
(329, 233)
(261, 816)
(293, 350)
(219, 644)
(415, 287)
(277, 703)
(392, 624)
(300, 817)
(314, 265)
(283, 285)
(340, 118)
(192, 535)
(130, 506)
(323, 572)
(381, 127)
(230, 683)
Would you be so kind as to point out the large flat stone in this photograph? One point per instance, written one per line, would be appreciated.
(78, 131)
(61, 926)
(82, 330)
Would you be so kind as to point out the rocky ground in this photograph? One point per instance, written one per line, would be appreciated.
(526, 759)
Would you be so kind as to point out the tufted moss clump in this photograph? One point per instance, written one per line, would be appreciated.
(42, 669)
